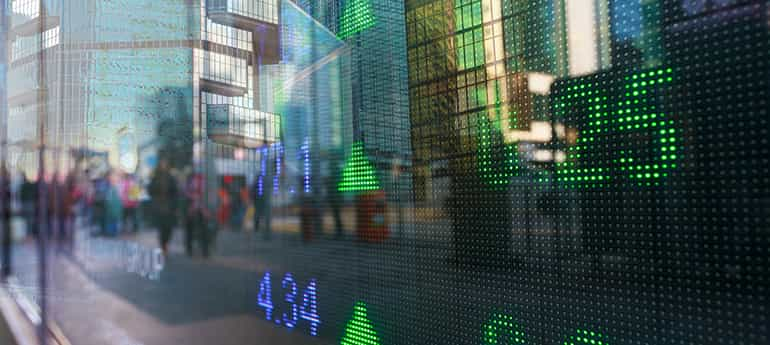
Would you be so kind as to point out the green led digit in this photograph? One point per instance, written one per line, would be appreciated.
(497, 162)
(502, 327)
(585, 337)
(643, 139)
(494, 170)
(592, 97)
(637, 114)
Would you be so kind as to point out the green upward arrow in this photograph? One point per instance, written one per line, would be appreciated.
(359, 330)
(359, 174)
(356, 17)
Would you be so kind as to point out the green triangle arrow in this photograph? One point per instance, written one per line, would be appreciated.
(356, 17)
(359, 330)
(359, 173)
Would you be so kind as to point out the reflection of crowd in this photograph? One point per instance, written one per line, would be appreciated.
(108, 204)
(113, 203)
(55, 201)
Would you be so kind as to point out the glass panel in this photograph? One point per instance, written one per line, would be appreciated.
(386, 172)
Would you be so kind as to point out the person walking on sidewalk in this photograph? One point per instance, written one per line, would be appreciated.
(113, 207)
(70, 196)
(224, 210)
(28, 196)
(163, 191)
(129, 195)
(260, 193)
(197, 216)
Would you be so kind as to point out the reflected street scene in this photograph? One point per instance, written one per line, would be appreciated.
(385, 172)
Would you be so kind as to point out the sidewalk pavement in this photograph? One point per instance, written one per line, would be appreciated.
(414, 292)
(95, 299)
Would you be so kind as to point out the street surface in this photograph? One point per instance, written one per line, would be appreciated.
(415, 293)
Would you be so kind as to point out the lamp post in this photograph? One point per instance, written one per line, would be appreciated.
(5, 193)
(41, 185)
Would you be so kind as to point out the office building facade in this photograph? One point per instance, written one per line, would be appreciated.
(113, 73)
(375, 39)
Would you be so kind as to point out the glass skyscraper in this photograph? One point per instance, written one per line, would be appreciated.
(121, 68)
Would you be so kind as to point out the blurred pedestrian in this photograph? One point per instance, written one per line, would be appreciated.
(224, 210)
(113, 206)
(70, 194)
(59, 207)
(86, 200)
(261, 192)
(53, 205)
(163, 193)
(236, 205)
(98, 203)
(28, 196)
(245, 202)
(5, 194)
(129, 196)
(197, 216)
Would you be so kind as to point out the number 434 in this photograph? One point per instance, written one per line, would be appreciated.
(302, 309)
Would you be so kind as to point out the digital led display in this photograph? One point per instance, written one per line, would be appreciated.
(358, 173)
(622, 110)
(382, 172)
(356, 16)
(302, 306)
(359, 330)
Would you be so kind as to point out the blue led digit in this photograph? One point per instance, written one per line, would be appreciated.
(305, 153)
(291, 298)
(264, 297)
(278, 158)
(309, 309)
(263, 158)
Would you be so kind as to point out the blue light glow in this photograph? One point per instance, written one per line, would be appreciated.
(308, 310)
(264, 297)
(278, 161)
(305, 150)
(263, 171)
(291, 297)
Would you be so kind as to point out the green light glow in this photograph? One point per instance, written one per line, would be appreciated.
(626, 110)
(502, 327)
(585, 337)
(359, 330)
(497, 162)
(356, 17)
(359, 174)
(641, 113)
(495, 173)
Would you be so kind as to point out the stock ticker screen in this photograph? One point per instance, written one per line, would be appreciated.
(383, 172)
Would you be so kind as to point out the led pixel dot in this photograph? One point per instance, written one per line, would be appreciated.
(356, 17)
(359, 329)
(359, 173)
(502, 329)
